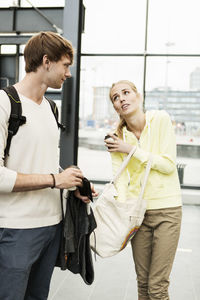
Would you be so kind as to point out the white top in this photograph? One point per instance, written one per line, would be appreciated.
(34, 150)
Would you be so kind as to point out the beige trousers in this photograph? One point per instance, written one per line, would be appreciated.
(154, 247)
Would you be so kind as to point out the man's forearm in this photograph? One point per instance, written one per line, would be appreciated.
(30, 182)
(70, 177)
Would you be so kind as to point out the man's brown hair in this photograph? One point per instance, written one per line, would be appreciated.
(49, 43)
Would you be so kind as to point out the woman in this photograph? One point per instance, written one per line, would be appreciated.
(154, 245)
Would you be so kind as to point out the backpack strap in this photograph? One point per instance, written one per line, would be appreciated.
(54, 109)
(16, 119)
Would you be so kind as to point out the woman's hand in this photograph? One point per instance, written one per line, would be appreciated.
(85, 199)
(115, 144)
(94, 193)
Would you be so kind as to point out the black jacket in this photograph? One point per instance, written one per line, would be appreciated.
(75, 253)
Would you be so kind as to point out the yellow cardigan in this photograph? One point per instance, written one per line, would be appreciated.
(158, 138)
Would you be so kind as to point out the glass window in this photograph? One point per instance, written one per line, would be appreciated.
(21, 68)
(8, 49)
(174, 26)
(114, 26)
(7, 3)
(44, 3)
(21, 49)
(173, 84)
(37, 3)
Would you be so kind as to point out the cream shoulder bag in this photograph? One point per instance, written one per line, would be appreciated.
(117, 222)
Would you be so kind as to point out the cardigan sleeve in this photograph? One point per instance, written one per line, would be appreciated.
(165, 161)
(116, 161)
(7, 176)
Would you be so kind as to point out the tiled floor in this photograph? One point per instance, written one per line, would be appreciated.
(115, 277)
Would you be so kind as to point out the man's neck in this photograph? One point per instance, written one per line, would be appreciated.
(32, 86)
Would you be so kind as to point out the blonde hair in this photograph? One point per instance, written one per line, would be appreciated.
(49, 43)
(122, 122)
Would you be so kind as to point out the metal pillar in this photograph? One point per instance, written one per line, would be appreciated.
(72, 27)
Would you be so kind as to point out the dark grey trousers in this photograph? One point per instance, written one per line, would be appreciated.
(27, 260)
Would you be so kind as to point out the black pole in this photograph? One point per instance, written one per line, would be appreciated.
(72, 27)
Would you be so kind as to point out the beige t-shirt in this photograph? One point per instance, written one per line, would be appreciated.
(34, 150)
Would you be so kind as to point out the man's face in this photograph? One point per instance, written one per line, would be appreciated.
(58, 72)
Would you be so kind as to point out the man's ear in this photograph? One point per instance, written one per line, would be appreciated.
(46, 61)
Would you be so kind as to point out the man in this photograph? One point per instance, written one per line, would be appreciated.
(30, 210)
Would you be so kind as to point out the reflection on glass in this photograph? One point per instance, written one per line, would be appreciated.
(173, 84)
(114, 26)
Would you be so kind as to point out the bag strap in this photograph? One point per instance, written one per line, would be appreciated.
(54, 109)
(123, 165)
(16, 119)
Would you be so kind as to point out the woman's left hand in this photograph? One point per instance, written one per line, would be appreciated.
(115, 144)
(85, 199)
(94, 193)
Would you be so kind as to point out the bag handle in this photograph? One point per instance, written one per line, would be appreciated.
(123, 165)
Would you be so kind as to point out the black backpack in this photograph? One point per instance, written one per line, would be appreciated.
(16, 119)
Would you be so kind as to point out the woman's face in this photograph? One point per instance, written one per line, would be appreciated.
(125, 100)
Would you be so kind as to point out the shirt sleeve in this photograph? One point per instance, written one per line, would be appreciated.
(7, 176)
(165, 161)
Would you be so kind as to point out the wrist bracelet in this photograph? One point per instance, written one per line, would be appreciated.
(54, 181)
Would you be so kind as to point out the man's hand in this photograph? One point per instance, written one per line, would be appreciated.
(70, 177)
